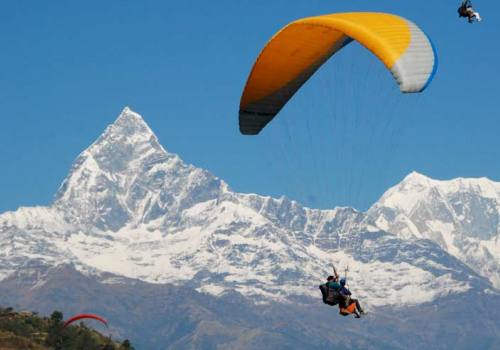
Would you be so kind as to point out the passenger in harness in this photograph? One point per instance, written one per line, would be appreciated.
(351, 305)
(467, 11)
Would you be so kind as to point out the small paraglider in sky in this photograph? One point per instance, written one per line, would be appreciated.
(84, 316)
(467, 11)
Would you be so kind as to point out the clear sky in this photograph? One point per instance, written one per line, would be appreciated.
(69, 67)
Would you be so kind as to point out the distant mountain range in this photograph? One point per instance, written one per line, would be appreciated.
(131, 219)
(461, 215)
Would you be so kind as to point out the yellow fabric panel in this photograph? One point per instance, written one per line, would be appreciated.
(387, 36)
(304, 42)
(286, 55)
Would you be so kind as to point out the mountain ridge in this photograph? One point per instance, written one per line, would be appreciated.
(461, 215)
(130, 208)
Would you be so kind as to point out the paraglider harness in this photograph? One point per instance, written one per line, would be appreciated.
(330, 296)
(348, 308)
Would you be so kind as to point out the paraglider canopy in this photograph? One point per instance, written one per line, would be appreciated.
(294, 54)
(84, 316)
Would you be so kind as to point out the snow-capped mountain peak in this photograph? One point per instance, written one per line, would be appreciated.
(415, 178)
(461, 215)
(126, 177)
(415, 188)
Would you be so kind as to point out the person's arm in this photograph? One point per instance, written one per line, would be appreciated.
(335, 272)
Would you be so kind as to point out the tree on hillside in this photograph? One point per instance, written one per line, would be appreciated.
(54, 337)
(126, 345)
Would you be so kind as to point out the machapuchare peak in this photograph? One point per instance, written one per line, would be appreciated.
(126, 178)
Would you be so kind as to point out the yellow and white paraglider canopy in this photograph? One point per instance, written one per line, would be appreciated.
(292, 56)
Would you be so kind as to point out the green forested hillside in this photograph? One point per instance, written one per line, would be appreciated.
(28, 330)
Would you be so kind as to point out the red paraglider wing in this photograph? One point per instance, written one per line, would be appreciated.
(81, 316)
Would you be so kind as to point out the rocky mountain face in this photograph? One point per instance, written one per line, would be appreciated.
(126, 178)
(461, 215)
(131, 217)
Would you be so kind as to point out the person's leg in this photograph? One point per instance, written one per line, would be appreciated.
(358, 306)
(356, 313)
(352, 308)
(478, 17)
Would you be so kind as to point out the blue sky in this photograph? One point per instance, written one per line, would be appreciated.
(69, 67)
